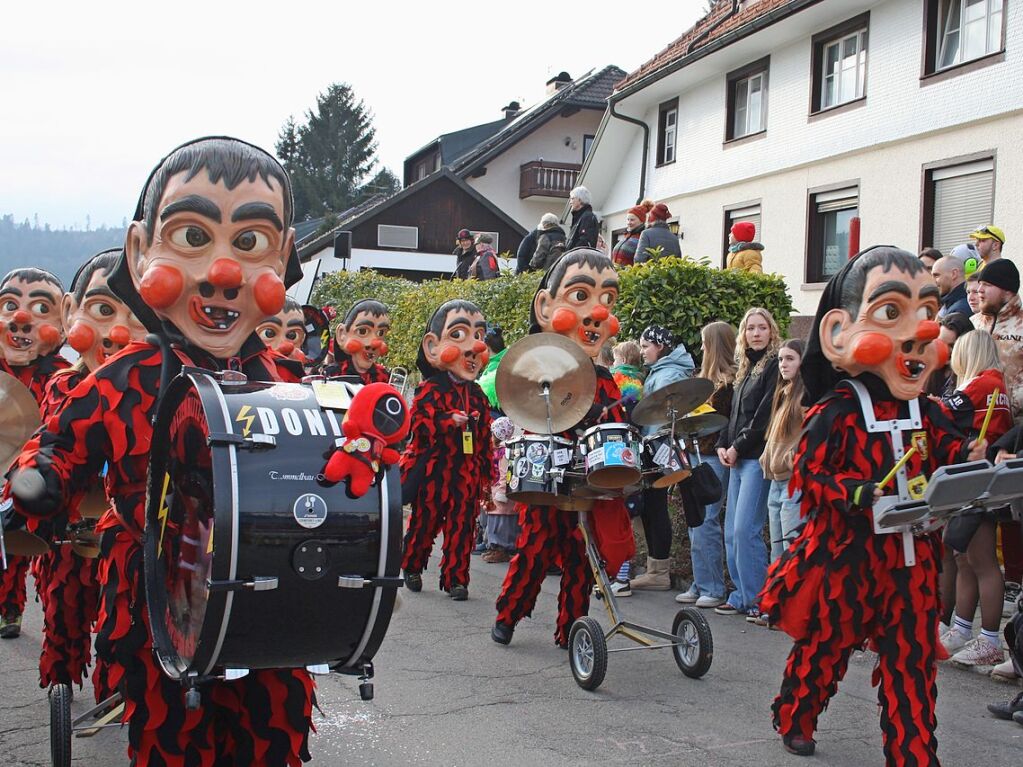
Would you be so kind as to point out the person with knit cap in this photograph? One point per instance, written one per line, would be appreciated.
(744, 253)
(464, 253)
(657, 240)
(624, 251)
(1001, 315)
(550, 243)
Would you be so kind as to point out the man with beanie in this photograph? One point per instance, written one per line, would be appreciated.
(657, 240)
(744, 253)
(585, 227)
(990, 240)
(464, 253)
(1000, 314)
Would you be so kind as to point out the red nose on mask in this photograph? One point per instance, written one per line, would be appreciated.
(927, 330)
(120, 335)
(22, 317)
(376, 343)
(599, 313)
(225, 274)
(286, 348)
(478, 347)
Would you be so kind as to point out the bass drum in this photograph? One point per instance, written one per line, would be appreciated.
(251, 559)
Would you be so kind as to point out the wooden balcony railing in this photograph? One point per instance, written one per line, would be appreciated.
(547, 179)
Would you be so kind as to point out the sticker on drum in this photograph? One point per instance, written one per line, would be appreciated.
(594, 456)
(513, 483)
(617, 453)
(521, 467)
(310, 510)
(538, 470)
(537, 452)
(562, 456)
(288, 392)
(663, 455)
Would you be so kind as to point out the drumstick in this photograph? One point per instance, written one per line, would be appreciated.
(987, 416)
(902, 462)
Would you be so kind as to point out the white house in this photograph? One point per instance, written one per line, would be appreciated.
(802, 114)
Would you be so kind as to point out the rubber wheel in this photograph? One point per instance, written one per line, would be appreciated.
(60, 725)
(695, 650)
(587, 653)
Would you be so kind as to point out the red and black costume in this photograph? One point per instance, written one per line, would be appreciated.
(13, 593)
(261, 718)
(442, 481)
(549, 537)
(344, 366)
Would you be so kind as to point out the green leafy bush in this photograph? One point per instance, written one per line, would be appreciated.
(681, 294)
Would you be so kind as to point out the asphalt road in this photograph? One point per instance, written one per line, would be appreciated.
(447, 695)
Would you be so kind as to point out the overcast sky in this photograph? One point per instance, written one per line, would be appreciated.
(93, 94)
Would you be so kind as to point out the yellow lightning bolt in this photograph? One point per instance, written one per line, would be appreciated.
(244, 417)
(162, 514)
(209, 546)
(325, 337)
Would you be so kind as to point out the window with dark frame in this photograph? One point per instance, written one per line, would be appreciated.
(587, 145)
(733, 215)
(958, 198)
(961, 31)
(829, 217)
(839, 61)
(747, 100)
(667, 132)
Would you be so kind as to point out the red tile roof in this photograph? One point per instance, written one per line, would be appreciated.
(698, 36)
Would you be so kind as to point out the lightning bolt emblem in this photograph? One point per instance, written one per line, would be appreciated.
(209, 546)
(162, 514)
(243, 417)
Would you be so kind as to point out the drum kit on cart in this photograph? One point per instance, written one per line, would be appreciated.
(546, 385)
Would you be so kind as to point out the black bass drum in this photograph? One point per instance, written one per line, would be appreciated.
(251, 560)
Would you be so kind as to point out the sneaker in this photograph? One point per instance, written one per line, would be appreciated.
(1006, 709)
(414, 582)
(621, 589)
(502, 633)
(752, 614)
(707, 602)
(496, 555)
(1012, 594)
(979, 652)
(1005, 672)
(798, 745)
(1018, 718)
(953, 641)
(726, 609)
(458, 592)
(10, 628)
(690, 597)
(762, 620)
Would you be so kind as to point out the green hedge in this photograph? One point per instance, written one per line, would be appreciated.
(679, 294)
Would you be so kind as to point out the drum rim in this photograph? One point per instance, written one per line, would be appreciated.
(540, 438)
(596, 428)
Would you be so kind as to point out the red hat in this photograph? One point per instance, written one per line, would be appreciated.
(659, 212)
(744, 231)
(640, 211)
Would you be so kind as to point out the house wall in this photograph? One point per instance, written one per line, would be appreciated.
(903, 124)
(500, 185)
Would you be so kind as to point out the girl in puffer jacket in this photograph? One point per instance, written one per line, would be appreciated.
(744, 253)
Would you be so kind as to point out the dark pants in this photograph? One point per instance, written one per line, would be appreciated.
(656, 522)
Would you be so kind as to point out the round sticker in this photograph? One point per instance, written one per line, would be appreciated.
(521, 467)
(310, 510)
(537, 453)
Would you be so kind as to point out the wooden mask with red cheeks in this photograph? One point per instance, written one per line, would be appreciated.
(98, 323)
(285, 332)
(30, 325)
(362, 335)
(893, 333)
(454, 341)
(576, 299)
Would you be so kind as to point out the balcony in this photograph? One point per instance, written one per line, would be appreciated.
(540, 178)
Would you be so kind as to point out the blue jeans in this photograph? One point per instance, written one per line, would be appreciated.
(745, 518)
(706, 548)
(782, 516)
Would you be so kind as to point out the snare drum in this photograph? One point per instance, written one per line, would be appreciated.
(532, 465)
(664, 461)
(612, 453)
(252, 560)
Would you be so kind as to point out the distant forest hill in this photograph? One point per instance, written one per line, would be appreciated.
(60, 251)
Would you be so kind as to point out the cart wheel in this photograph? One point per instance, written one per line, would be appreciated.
(695, 649)
(60, 725)
(587, 653)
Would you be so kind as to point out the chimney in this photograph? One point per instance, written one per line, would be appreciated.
(559, 81)
(512, 110)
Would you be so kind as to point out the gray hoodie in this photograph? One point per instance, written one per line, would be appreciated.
(676, 366)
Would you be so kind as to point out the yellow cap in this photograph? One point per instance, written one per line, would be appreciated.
(989, 232)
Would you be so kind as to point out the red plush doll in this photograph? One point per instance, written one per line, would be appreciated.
(377, 418)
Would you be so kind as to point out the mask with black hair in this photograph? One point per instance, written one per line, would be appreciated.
(453, 342)
(362, 334)
(30, 315)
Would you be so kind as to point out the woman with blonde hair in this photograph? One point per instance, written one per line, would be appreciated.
(706, 548)
(739, 447)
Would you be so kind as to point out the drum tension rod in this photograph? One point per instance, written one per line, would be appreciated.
(257, 583)
(358, 582)
(252, 442)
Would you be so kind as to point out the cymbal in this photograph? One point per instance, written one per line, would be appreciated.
(682, 396)
(24, 544)
(701, 425)
(538, 362)
(94, 503)
(19, 418)
(85, 545)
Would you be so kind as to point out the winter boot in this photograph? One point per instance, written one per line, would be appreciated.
(656, 577)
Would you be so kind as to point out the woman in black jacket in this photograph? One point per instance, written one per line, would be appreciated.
(549, 245)
(739, 447)
(585, 226)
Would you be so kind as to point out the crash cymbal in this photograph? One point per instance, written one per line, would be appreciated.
(701, 425)
(85, 545)
(682, 396)
(538, 362)
(94, 503)
(19, 418)
(22, 543)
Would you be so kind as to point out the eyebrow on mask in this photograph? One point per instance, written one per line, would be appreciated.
(890, 286)
(258, 210)
(101, 291)
(43, 294)
(193, 203)
(11, 291)
(581, 279)
(929, 290)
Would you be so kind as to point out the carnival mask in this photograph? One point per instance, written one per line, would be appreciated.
(30, 317)
(894, 336)
(365, 339)
(285, 333)
(101, 325)
(215, 263)
(459, 349)
(581, 307)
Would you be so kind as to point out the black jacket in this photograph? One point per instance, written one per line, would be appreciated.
(465, 259)
(525, 252)
(751, 409)
(585, 228)
(955, 301)
(542, 258)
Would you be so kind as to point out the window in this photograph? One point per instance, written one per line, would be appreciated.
(959, 31)
(958, 198)
(667, 132)
(424, 167)
(747, 101)
(397, 236)
(587, 145)
(840, 64)
(830, 215)
(746, 211)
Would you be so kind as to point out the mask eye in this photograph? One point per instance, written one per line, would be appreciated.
(362, 330)
(457, 334)
(40, 307)
(886, 313)
(190, 237)
(291, 335)
(925, 313)
(268, 333)
(252, 241)
(101, 310)
(578, 295)
(607, 299)
(10, 306)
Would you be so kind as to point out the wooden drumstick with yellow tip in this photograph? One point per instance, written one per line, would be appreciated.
(902, 462)
(987, 415)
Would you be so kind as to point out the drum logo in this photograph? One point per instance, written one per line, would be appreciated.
(537, 453)
(521, 467)
(288, 392)
(310, 510)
